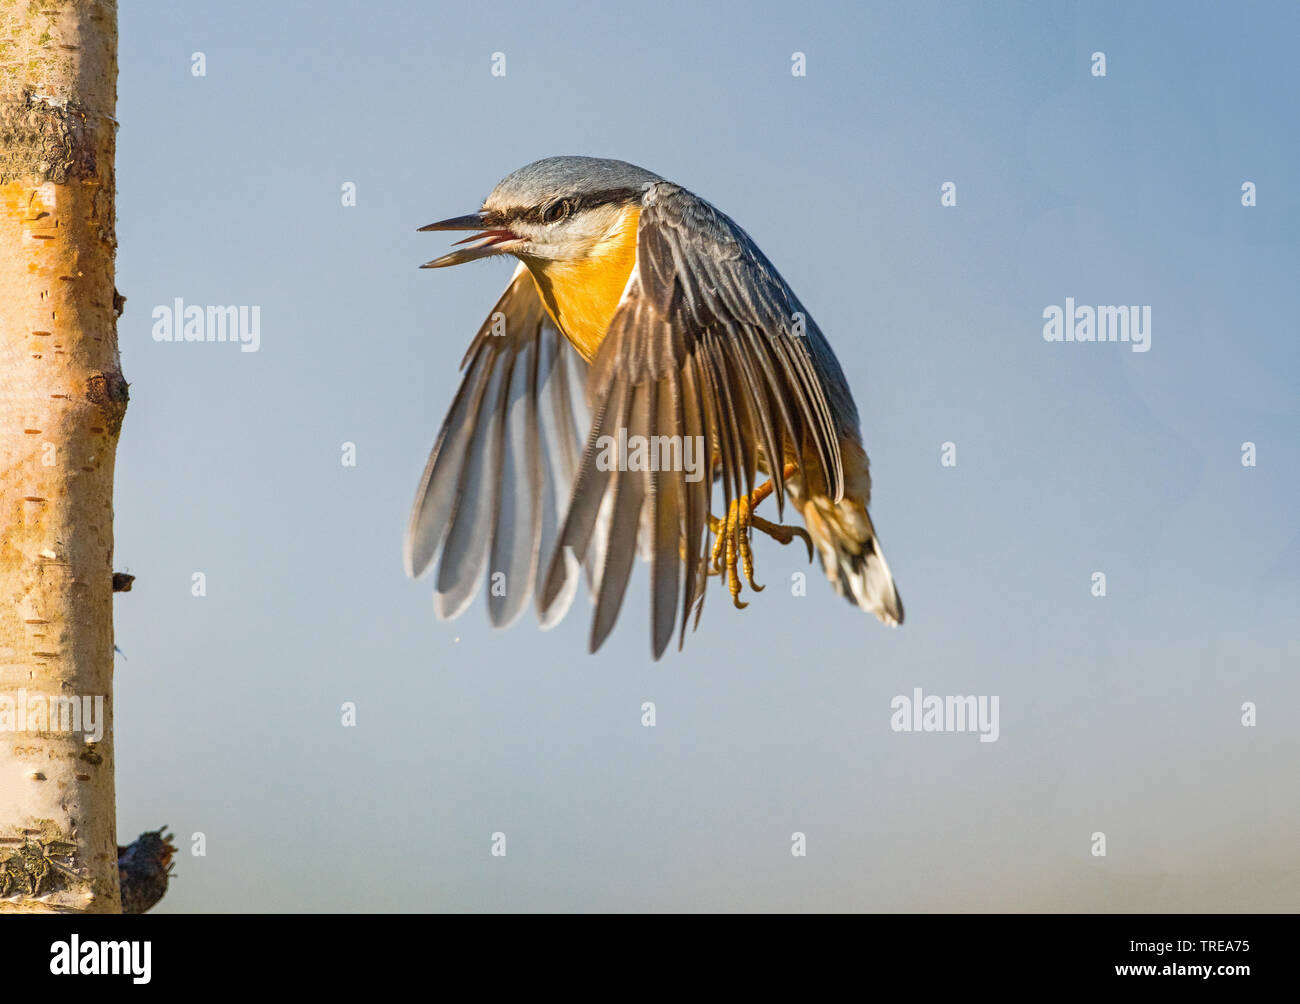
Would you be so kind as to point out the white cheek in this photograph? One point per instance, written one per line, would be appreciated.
(594, 227)
(570, 240)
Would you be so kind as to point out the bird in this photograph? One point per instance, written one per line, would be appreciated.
(644, 353)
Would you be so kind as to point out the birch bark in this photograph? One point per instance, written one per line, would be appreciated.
(62, 400)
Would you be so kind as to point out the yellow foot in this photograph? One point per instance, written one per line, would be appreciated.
(731, 547)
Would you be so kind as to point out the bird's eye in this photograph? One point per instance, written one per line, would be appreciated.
(557, 211)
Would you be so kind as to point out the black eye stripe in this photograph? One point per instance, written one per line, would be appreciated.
(577, 203)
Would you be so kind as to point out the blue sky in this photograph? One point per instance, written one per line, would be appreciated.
(1119, 714)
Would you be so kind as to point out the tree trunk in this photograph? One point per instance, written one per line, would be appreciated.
(62, 399)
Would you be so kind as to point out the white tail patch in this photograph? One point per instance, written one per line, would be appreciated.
(851, 555)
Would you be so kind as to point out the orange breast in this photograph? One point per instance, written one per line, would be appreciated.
(581, 295)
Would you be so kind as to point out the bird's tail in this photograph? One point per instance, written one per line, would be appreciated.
(849, 547)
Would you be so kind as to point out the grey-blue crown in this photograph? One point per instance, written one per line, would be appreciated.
(555, 177)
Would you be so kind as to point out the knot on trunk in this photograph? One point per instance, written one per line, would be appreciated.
(108, 393)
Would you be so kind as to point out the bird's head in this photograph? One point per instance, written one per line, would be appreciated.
(556, 209)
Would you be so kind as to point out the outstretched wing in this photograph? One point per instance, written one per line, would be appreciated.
(708, 344)
(502, 465)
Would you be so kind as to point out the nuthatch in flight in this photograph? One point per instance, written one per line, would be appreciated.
(696, 364)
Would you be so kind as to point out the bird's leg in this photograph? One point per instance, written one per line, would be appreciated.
(731, 545)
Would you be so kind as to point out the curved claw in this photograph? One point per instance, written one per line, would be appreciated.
(784, 534)
(731, 554)
(807, 539)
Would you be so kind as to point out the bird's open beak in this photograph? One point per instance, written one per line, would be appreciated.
(490, 241)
